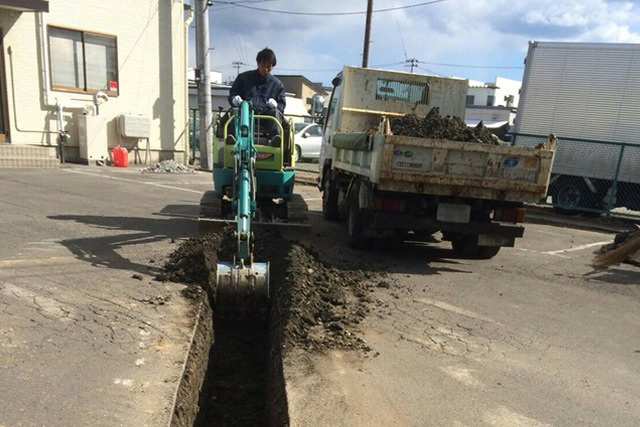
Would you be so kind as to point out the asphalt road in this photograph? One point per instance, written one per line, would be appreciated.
(534, 337)
(82, 341)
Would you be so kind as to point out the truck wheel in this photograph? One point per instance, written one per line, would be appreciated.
(330, 200)
(467, 246)
(355, 223)
(488, 252)
(570, 194)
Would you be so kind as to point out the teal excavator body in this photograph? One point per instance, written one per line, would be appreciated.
(253, 184)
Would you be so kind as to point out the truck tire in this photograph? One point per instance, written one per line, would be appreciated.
(330, 210)
(355, 223)
(570, 195)
(467, 246)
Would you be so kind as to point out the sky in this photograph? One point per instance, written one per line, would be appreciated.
(471, 39)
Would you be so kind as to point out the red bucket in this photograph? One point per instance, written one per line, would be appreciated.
(120, 157)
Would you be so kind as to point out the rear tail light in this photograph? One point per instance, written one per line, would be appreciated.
(514, 215)
(382, 204)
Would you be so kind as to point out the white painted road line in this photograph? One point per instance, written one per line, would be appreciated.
(578, 248)
(153, 184)
(452, 308)
(545, 253)
(503, 417)
(30, 262)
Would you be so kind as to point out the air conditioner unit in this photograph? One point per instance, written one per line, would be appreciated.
(134, 126)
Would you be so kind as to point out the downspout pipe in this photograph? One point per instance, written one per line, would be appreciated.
(44, 57)
(185, 56)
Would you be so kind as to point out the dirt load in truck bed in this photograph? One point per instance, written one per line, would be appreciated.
(434, 126)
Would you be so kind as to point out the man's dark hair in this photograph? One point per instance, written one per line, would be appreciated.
(266, 55)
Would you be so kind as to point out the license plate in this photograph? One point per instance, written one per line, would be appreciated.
(449, 212)
(489, 240)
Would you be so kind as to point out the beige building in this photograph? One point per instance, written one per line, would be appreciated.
(301, 87)
(100, 73)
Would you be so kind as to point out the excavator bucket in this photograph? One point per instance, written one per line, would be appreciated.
(242, 292)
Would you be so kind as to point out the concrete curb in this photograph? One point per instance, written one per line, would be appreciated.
(607, 224)
(184, 408)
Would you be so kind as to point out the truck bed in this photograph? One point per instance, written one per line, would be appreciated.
(446, 168)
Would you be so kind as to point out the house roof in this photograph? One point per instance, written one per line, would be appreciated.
(25, 5)
(316, 86)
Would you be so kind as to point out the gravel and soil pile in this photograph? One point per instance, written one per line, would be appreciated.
(434, 126)
(168, 166)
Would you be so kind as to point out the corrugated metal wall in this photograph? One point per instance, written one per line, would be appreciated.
(589, 91)
(585, 91)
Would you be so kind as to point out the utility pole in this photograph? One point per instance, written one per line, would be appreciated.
(237, 65)
(413, 62)
(367, 34)
(203, 77)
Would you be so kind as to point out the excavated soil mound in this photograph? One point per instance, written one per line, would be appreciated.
(433, 125)
(318, 305)
(313, 306)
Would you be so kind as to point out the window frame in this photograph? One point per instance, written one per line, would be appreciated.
(85, 90)
(491, 100)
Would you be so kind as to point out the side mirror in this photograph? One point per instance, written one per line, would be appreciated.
(306, 135)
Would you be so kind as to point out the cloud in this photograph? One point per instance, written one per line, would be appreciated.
(475, 38)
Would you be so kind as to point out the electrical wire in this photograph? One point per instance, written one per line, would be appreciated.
(473, 66)
(430, 71)
(288, 12)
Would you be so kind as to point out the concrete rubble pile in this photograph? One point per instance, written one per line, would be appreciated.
(434, 126)
(169, 166)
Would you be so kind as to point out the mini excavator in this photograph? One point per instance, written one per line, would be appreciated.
(253, 184)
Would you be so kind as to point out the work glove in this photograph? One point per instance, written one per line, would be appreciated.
(236, 100)
(272, 103)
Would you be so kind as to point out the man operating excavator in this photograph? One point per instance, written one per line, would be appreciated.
(264, 91)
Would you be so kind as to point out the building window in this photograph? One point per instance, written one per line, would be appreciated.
(491, 100)
(83, 61)
(471, 99)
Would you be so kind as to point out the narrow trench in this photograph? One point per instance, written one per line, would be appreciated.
(243, 383)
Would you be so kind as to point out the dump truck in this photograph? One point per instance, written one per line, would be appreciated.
(588, 95)
(390, 186)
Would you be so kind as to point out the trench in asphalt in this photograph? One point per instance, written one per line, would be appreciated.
(242, 381)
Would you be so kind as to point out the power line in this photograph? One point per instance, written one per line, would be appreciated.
(288, 12)
(414, 61)
(388, 65)
(307, 70)
(473, 66)
(234, 3)
(430, 71)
